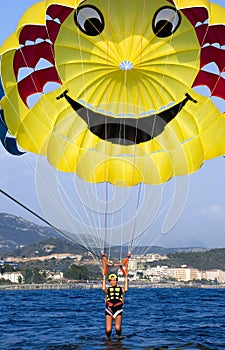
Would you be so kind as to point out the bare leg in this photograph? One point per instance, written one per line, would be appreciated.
(108, 325)
(118, 326)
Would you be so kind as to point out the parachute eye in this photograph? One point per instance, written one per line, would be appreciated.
(89, 20)
(166, 21)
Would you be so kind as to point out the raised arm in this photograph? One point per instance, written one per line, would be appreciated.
(126, 283)
(124, 268)
(104, 288)
(104, 272)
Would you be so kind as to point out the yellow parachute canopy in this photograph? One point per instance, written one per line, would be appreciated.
(111, 90)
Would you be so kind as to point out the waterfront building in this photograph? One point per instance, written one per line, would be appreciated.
(186, 274)
(14, 277)
(54, 275)
(155, 274)
(214, 275)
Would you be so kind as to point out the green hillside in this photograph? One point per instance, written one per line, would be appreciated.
(207, 260)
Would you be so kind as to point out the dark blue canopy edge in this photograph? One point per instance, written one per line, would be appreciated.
(9, 143)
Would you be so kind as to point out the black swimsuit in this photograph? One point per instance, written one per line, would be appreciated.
(114, 301)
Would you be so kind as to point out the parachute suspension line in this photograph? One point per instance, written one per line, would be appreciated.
(96, 220)
(122, 135)
(62, 233)
(65, 194)
(65, 218)
(132, 238)
(71, 225)
(133, 226)
(67, 107)
(43, 106)
(105, 225)
(105, 240)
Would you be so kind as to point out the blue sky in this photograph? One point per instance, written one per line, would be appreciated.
(200, 222)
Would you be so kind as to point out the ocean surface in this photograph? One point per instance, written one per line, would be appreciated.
(74, 319)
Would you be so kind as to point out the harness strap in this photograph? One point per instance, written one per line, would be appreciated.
(117, 304)
(123, 265)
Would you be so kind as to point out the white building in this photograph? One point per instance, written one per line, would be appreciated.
(55, 276)
(155, 274)
(186, 274)
(140, 262)
(14, 277)
(214, 275)
(155, 257)
(132, 266)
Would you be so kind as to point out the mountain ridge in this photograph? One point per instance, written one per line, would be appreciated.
(17, 232)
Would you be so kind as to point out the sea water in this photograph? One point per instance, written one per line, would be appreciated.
(162, 318)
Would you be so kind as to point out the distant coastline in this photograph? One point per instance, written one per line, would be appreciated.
(97, 285)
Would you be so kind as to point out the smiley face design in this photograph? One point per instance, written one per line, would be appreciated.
(115, 90)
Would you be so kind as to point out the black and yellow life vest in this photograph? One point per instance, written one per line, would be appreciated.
(114, 294)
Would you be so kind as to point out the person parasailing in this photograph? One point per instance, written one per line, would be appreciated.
(114, 295)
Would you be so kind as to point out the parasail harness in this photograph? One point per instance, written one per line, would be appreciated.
(123, 264)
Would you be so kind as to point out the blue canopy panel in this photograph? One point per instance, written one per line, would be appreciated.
(9, 143)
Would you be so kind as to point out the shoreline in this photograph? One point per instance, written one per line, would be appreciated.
(96, 285)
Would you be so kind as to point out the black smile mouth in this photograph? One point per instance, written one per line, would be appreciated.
(126, 131)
